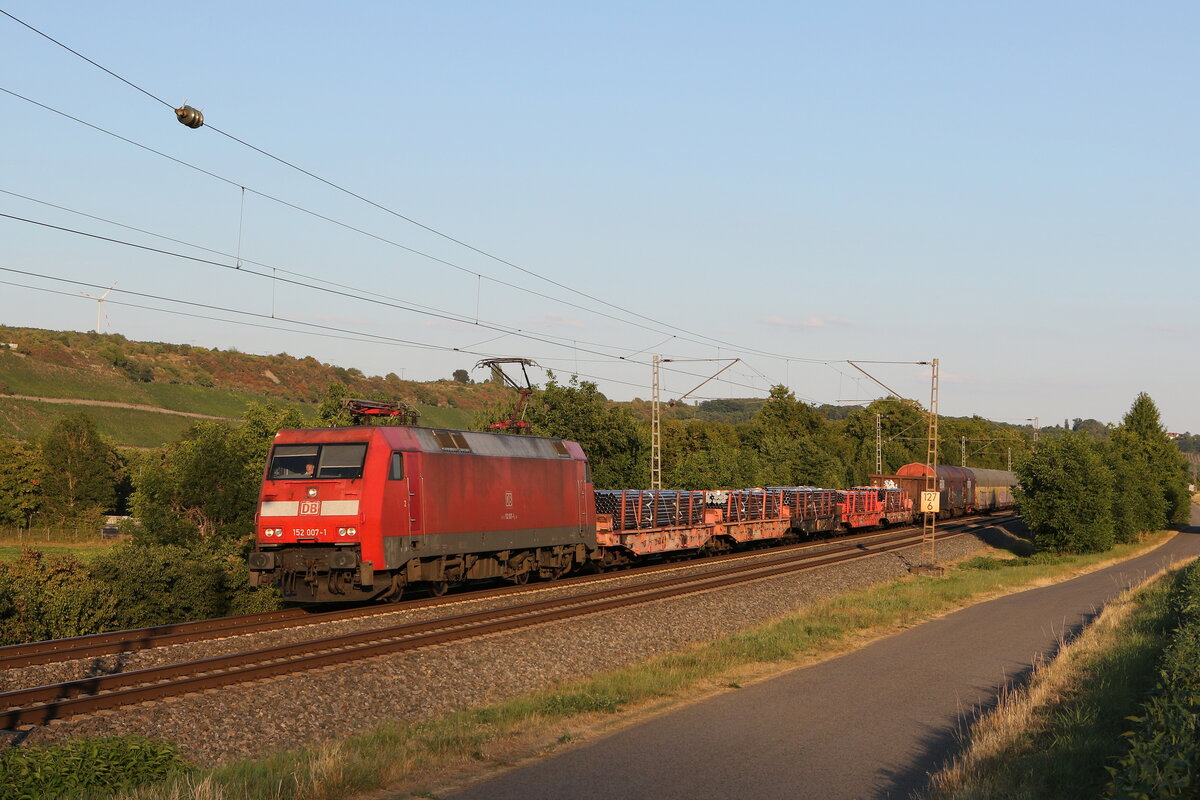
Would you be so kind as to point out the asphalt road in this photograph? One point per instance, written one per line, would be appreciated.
(871, 724)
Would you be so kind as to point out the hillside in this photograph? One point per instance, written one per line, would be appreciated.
(143, 394)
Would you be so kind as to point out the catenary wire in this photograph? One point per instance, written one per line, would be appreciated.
(331, 220)
(410, 220)
(331, 184)
(327, 331)
(382, 239)
(318, 279)
(443, 348)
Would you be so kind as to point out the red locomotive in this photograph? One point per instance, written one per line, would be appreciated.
(363, 512)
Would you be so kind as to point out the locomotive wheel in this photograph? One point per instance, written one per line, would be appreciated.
(394, 594)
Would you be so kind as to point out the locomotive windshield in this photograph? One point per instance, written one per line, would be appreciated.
(299, 461)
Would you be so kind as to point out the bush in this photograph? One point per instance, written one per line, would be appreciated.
(981, 562)
(75, 767)
(244, 598)
(51, 598)
(157, 584)
(1164, 749)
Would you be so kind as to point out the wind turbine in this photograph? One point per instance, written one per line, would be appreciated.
(99, 304)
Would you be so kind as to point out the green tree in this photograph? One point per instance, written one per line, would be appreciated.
(205, 486)
(1066, 495)
(1166, 462)
(699, 454)
(1139, 503)
(610, 436)
(79, 470)
(331, 411)
(903, 430)
(201, 487)
(462, 376)
(796, 445)
(20, 482)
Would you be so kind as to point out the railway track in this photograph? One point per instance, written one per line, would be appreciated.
(130, 641)
(39, 705)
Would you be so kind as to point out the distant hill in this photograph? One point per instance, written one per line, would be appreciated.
(143, 394)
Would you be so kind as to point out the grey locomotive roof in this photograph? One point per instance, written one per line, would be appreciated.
(435, 440)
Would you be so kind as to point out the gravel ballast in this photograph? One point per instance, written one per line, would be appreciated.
(334, 702)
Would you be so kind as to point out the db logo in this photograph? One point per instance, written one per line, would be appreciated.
(310, 507)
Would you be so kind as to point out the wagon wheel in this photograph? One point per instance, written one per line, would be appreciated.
(520, 578)
(438, 588)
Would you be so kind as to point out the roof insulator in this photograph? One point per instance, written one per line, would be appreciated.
(189, 116)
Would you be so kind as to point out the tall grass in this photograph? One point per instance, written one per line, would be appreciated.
(1054, 736)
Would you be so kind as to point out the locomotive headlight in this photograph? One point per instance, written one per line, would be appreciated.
(341, 531)
(279, 531)
(351, 531)
(312, 491)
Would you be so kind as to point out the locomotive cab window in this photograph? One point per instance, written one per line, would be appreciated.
(342, 460)
(396, 473)
(300, 461)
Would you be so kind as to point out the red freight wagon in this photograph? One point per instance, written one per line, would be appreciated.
(865, 506)
(355, 513)
(860, 507)
(956, 485)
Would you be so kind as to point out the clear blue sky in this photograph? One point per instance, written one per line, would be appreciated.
(1009, 187)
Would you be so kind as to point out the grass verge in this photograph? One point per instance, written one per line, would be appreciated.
(84, 552)
(1054, 736)
(420, 757)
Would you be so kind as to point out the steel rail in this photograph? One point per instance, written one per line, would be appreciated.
(138, 639)
(42, 704)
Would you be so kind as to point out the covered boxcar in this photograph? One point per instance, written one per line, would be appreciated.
(363, 512)
(994, 489)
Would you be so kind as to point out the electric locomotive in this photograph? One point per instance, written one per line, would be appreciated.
(363, 512)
